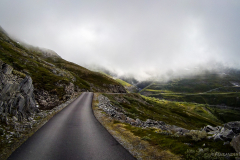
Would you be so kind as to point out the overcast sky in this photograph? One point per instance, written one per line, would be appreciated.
(142, 37)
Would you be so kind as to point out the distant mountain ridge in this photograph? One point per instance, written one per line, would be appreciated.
(214, 88)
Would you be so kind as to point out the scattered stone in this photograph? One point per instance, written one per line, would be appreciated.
(209, 128)
(235, 143)
(226, 143)
(234, 126)
(7, 69)
(227, 135)
(188, 144)
(2, 131)
(15, 118)
(114, 111)
(138, 122)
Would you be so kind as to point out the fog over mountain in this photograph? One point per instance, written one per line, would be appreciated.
(141, 38)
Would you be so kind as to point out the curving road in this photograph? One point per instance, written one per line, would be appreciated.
(72, 134)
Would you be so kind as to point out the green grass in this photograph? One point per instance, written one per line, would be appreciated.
(182, 114)
(31, 61)
(178, 144)
(225, 115)
(223, 96)
(157, 91)
(199, 84)
(228, 99)
(123, 83)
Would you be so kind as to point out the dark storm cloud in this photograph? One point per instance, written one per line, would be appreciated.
(144, 38)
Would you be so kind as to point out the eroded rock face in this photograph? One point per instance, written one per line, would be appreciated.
(16, 95)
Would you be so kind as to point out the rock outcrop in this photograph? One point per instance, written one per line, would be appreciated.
(228, 133)
(235, 143)
(234, 126)
(16, 95)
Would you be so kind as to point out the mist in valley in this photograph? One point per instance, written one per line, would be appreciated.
(157, 40)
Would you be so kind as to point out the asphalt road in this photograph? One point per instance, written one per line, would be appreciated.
(72, 134)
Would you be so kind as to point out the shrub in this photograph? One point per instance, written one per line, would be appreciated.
(146, 138)
(197, 135)
(20, 74)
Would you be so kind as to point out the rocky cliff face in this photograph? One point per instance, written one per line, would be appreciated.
(16, 95)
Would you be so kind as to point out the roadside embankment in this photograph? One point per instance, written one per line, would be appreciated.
(15, 133)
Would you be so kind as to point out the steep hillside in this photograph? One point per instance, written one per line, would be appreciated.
(55, 80)
(130, 87)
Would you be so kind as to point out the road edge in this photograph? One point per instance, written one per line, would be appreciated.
(9, 150)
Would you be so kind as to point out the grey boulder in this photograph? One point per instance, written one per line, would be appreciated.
(235, 143)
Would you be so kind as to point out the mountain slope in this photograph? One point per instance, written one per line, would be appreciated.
(55, 80)
(200, 83)
(130, 87)
(219, 90)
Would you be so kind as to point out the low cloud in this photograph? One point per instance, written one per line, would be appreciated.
(141, 38)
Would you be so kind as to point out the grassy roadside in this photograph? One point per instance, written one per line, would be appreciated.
(154, 143)
(182, 114)
(137, 146)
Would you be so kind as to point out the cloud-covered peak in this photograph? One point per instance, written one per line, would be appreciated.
(142, 38)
